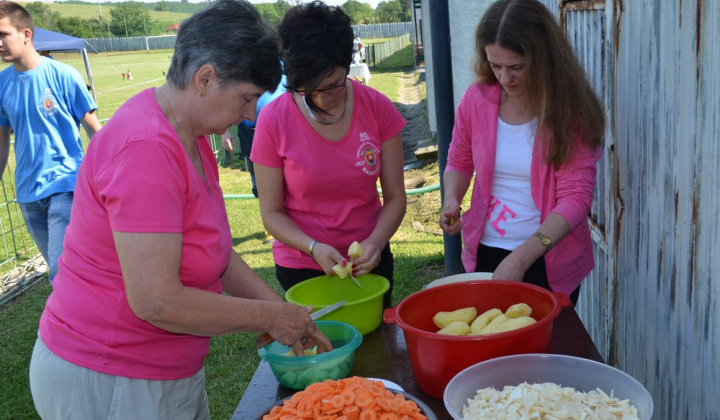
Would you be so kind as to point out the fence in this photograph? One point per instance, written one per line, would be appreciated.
(144, 43)
(17, 247)
(378, 53)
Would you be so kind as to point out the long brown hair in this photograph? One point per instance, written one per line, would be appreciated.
(558, 91)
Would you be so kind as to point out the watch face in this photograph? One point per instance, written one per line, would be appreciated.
(546, 241)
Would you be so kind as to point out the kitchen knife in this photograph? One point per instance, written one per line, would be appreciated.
(326, 310)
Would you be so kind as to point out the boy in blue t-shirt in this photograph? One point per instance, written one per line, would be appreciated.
(43, 102)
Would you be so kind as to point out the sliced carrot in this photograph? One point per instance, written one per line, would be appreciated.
(352, 398)
(337, 401)
(367, 414)
(383, 404)
(348, 397)
(351, 412)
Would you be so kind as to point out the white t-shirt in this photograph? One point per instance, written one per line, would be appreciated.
(512, 215)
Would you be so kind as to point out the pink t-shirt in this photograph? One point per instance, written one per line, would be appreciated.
(330, 187)
(136, 177)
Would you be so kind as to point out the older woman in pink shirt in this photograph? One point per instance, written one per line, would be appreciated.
(530, 129)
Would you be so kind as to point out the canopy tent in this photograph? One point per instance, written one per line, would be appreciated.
(45, 40)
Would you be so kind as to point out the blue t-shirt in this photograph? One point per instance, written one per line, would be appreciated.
(44, 107)
(265, 99)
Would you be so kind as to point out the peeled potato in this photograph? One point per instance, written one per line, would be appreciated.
(341, 271)
(515, 323)
(483, 320)
(356, 250)
(466, 315)
(455, 328)
(518, 310)
(494, 325)
(308, 352)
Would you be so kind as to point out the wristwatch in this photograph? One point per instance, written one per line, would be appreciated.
(543, 239)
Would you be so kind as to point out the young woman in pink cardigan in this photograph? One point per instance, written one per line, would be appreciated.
(531, 130)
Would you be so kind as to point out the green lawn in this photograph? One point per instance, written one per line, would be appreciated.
(232, 359)
(91, 10)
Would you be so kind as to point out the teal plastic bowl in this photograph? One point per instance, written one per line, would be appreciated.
(363, 309)
(299, 372)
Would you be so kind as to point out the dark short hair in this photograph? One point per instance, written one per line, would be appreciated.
(20, 18)
(316, 38)
(231, 36)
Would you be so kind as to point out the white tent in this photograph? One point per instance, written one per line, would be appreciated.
(45, 40)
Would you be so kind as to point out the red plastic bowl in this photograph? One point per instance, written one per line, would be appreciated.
(436, 358)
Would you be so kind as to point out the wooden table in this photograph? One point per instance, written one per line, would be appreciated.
(383, 355)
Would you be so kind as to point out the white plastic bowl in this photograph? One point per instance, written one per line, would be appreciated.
(582, 374)
(458, 278)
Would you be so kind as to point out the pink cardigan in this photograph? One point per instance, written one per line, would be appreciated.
(567, 191)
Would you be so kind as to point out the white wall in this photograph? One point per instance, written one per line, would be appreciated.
(464, 18)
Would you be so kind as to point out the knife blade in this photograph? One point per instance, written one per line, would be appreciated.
(354, 280)
(264, 339)
(326, 310)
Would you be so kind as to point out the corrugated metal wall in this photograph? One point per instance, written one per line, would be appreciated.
(651, 305)
(652, 302)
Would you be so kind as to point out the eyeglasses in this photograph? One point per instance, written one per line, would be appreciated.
(330, 90)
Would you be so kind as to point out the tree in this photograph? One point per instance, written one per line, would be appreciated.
(130, 19)
(75, 26)
(390, 11)
(269, 12)
(360, 13)
(43, 16)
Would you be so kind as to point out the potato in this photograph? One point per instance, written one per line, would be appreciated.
(308, 352)
(515, 323)
(493, 326)
(341, 271)
(466, 315)
(356, 250)
(455, 328)
(518, 310)
(483, 320)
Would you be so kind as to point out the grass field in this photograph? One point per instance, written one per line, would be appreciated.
(91, 10)
(232, 359)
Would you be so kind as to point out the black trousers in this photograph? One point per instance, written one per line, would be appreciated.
(488, 259)
(289, 277)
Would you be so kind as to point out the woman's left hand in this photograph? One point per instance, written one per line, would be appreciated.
(368, 260)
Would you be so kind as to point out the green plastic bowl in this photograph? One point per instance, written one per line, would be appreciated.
(299, 372)
(363, 309)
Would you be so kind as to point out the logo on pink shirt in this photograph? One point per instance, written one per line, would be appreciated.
(368, 155)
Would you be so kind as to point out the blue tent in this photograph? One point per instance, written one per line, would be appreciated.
(45, 40)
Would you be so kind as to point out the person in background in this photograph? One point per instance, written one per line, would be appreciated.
(149, 274)
(530, 129)
(358, 51)
(246, 132)
(319, 151)
(44, 102)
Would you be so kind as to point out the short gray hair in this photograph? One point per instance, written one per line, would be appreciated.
(231, 36)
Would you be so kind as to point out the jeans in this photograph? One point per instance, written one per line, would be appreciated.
(46, 220)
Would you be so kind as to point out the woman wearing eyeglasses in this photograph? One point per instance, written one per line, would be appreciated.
(319, 151)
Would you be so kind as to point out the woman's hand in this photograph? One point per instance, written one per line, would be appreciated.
(293, 327)
(228, 140)
(510, 268)
(450, 220)
(368, 260)
(327, 256)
